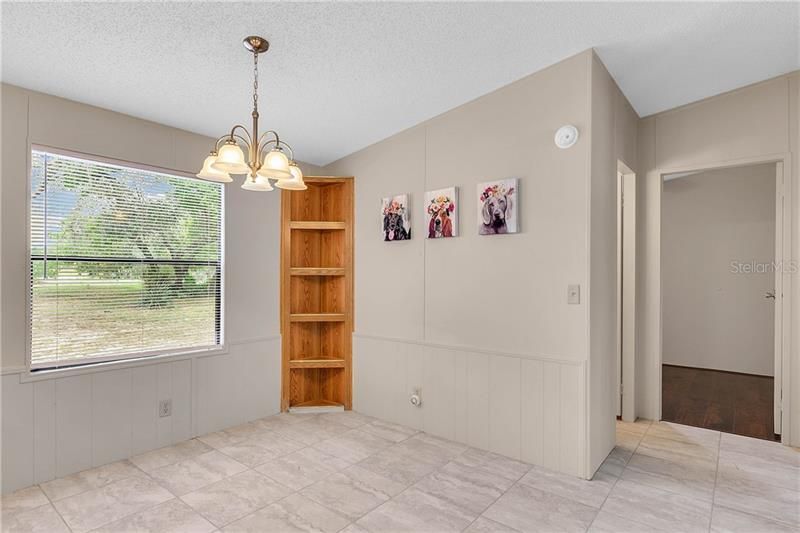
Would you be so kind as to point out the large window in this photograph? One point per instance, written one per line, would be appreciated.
(125, 262)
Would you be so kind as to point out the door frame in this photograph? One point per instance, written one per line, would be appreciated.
(626, 292)
(783, 280)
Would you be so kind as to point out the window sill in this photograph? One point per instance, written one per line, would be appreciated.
(28, 376)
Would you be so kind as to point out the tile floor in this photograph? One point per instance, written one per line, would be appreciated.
(347, 472)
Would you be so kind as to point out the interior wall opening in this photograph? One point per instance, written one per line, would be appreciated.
(720, 344)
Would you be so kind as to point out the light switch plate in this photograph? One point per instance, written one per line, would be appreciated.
(573, 294)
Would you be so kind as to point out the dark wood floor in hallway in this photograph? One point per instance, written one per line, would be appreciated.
(724, 401)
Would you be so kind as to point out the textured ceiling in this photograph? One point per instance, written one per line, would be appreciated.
(340, 76)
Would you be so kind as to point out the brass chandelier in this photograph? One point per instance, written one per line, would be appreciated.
(267, 157)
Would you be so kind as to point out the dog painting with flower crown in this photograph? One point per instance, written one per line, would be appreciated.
(442, 213)
(497, 207)
(396, 220)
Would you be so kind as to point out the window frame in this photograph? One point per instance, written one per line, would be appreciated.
(131, 358)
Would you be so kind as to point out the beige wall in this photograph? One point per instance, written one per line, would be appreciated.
(758, 122)
(111, 414)
(481, 323)
(714, 311)
(612, 139)
(432, 290)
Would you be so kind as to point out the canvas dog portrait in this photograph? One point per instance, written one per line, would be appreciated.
(497, 207)
(396, 219)
(441, 212)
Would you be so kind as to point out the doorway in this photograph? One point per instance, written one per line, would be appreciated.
(721, 363)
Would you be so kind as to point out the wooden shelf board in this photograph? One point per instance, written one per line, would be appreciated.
(321, 406)
(316, 363)
(317, 403)
(316, 224)
(317, 317)
(321, 271)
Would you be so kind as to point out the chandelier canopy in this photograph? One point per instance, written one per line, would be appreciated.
(266, 157)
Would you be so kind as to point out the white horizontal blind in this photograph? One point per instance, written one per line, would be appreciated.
(125, 262)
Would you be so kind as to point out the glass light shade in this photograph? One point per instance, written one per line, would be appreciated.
(259, 184)
(275, 166)
(210, 174)
(295, 183)
(277, 160)
(231, 160)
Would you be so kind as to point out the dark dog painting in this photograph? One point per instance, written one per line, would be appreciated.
(396, 222)
(497, 213)
(442, 213)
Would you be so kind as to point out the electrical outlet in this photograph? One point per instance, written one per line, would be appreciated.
(416, 397)
(164, 408)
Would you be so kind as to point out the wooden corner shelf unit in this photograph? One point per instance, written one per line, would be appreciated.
(317, 294)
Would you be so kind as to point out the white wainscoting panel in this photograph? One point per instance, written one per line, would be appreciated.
(164, 392)
(111, 416)
(505, 404)
(439, 392)
(477, 399)
(523, 407)
(182, 400)
(44, 430)
(73, 424)
(532, 415)
(58, 426)
(551, 416)
(144, 402)
(242, 385)
(17, 432)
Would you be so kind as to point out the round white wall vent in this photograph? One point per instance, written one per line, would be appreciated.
(566, 136)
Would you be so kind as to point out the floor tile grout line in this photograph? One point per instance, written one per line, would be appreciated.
(671, 461)
(608, 494)
(413, 483)
(714, 504)
(480, 515)
(716, 478)
(247, 469)
(625, 467)
(48, 504)
(619, 478)
(256, 510)
(53, 502)
(298, 492)
(148, 507)
(357, 464)
(760, 517)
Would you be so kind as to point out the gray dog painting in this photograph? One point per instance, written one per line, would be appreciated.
(395, 218)
(497, 207)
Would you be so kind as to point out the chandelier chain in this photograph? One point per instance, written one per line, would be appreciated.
(255, 82)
